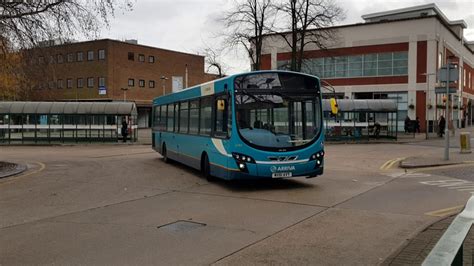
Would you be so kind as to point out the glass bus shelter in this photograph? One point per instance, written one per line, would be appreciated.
(47, 122)
(361, 120)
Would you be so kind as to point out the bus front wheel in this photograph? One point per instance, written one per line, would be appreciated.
(206, 168)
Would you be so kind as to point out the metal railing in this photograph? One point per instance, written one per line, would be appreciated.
(449, 249)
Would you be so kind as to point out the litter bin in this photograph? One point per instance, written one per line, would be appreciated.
(465, 142)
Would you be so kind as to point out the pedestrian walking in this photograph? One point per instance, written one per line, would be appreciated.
(417, 125)
(407, 124)
(441, 126)
(124, 130)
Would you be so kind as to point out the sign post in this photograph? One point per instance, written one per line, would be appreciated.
(447, 73)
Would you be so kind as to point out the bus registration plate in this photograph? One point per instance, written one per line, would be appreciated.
(281, 175)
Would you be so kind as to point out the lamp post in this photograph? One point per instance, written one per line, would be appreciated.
(124, 94)
(428, 99)
(163, 79)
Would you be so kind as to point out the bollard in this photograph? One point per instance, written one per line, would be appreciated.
(465, 139)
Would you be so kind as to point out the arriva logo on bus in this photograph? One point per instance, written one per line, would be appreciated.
(282, 168)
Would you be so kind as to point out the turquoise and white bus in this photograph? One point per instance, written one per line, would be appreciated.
(264, 124)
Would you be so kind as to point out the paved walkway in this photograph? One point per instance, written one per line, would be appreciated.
(418, 248)
(430, 160)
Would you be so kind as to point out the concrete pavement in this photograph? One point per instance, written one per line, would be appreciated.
(102, 204)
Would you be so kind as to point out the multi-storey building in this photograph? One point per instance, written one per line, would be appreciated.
(111, 70)
(393, 54)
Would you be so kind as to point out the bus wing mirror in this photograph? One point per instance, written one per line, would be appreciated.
(334, 106)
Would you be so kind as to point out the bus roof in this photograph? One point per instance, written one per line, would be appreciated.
(211, 87)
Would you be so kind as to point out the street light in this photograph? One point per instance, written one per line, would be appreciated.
(429, 99)
(163, 79)
(124, 94)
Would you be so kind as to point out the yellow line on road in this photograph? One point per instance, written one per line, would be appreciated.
(9, 180)
(446, 211)
(390, 163)
(383, 167)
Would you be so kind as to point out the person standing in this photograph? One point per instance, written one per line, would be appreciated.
(124, 130)
(441, 126)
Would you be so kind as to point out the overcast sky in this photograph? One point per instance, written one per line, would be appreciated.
(190, 25)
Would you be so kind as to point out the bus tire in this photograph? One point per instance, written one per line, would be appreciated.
(164, 154)
(206, 168)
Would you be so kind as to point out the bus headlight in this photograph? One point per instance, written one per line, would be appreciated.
(242, 160)
(317, 156)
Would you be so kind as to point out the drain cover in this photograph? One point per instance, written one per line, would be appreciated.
(181, 226)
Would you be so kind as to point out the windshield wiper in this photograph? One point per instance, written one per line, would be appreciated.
(257, 99)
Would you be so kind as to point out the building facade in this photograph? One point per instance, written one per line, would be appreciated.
(111, 70)
(392, 55)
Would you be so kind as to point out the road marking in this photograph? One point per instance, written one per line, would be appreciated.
(16, 177)
(407, 174)
(390, 163)
(446, 211)
(454, 184)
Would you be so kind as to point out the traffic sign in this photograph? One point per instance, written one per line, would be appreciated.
(453, 73)
(442, 90)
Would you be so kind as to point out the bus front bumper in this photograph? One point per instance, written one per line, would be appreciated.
(270, 171)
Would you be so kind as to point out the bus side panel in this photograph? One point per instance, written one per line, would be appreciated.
(190, 150)
(219, 157)
(168, 138)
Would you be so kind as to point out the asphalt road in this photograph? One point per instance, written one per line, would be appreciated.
(122, 205)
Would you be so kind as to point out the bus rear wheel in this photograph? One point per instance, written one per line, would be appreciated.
(165, 154)
(206, 168)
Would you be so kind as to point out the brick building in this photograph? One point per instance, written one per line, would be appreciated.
(111, 70)
(392, 55)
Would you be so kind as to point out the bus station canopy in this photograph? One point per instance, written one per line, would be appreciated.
(95, 108)
(349, 105)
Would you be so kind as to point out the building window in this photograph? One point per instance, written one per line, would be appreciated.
(51, 85)
(60, 84)
(141, 83)
(60, 59)
(90, 55)
(131, 82)
(70, 58)
(151, 84)
(69, 83)
(464, 78)
(90, 82)
(41, 60)
(101, 82)
(80, 56)
(141, 58)
(367, 65)
(101, 54)
(80, 82)
(51, 59)
(151, 59)
(131, 56)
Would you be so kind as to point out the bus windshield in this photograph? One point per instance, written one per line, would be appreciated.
(278, 110)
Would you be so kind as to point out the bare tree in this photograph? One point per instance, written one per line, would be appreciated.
(246, 25)
(213, 59)
(26, 23)
(308, 22)
(26, 26)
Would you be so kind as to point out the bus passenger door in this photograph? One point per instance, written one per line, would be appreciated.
(221, 128)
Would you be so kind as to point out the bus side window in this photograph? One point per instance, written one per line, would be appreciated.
(170, 118)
